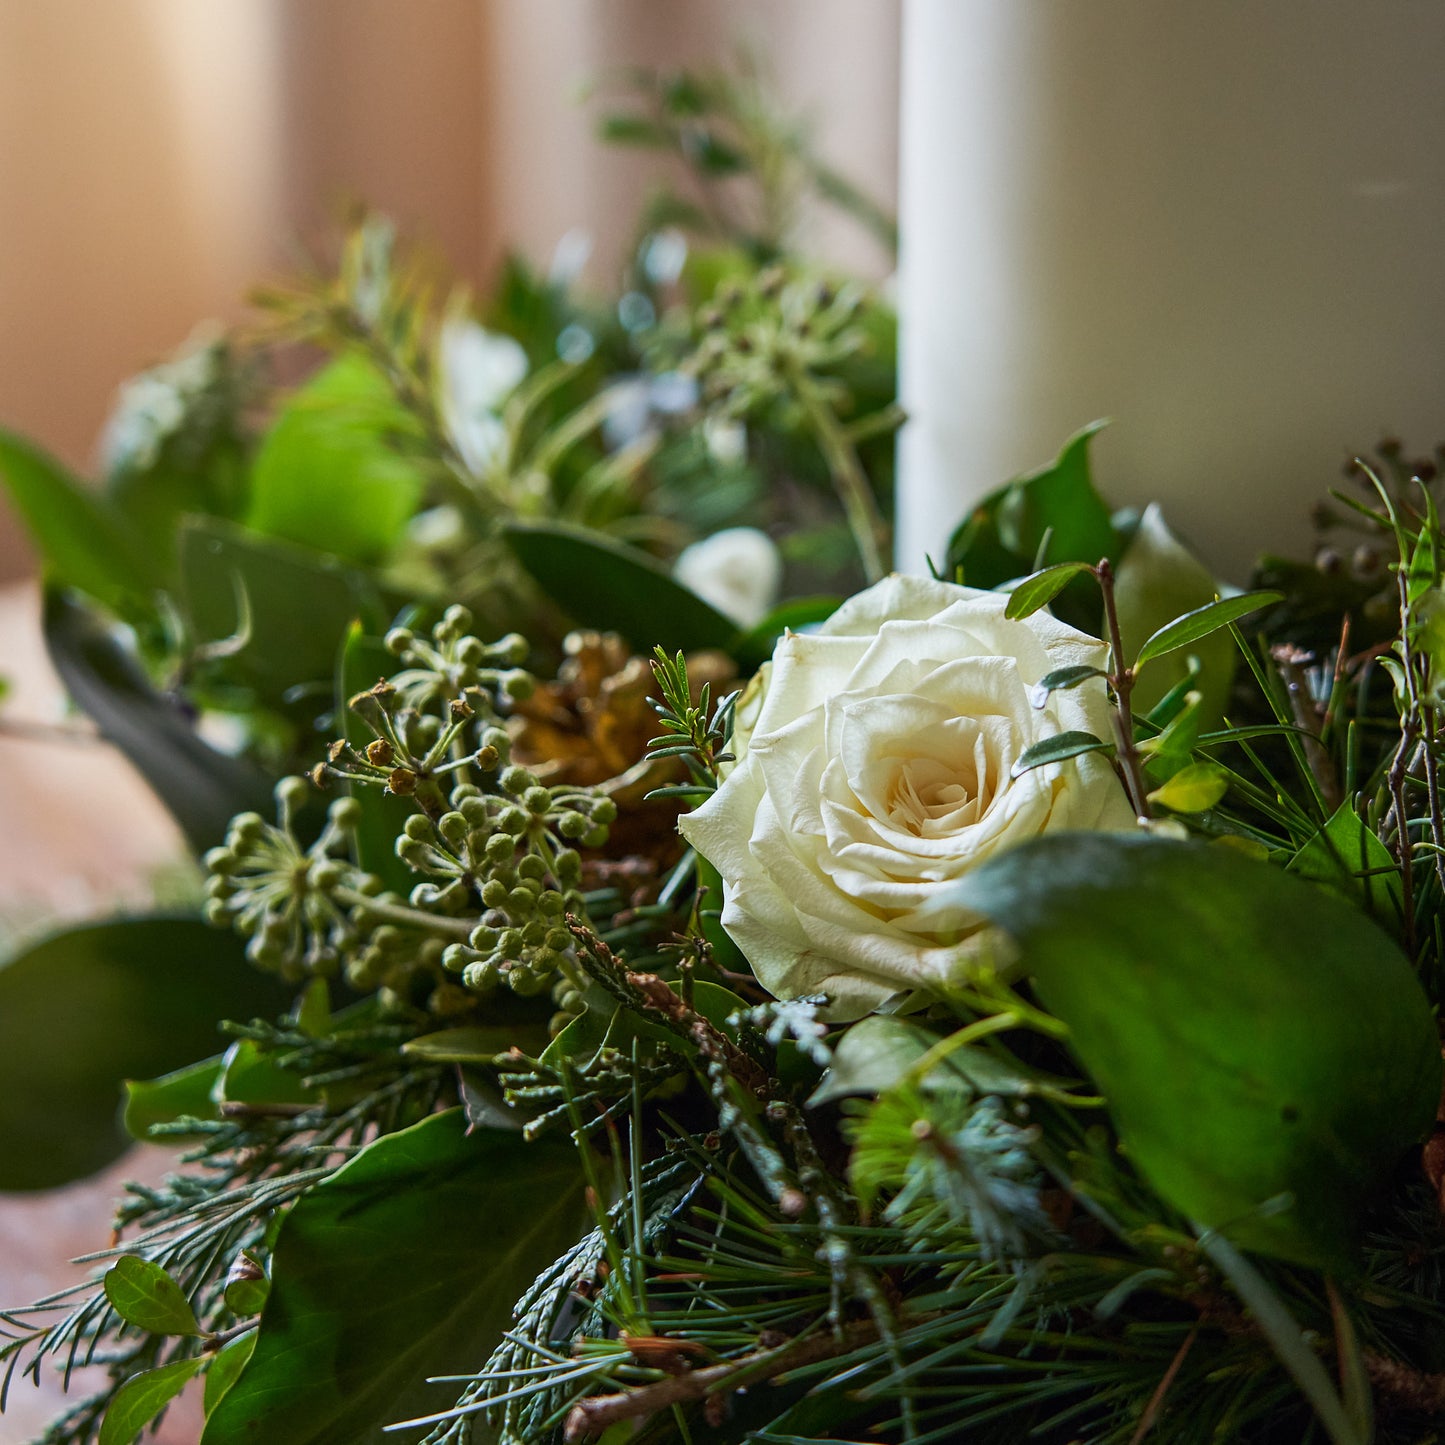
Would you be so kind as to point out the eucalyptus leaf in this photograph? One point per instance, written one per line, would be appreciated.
(86, 1008)
(617, 588)
(203, 789)
(144, 1295)
(142, 1398)
(1258, 1039)
(403, 1264)
(1058, 749)
(1203, 622)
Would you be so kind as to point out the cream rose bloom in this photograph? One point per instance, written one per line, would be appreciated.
(874, 762)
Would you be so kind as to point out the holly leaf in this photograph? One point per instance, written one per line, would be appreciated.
(404, 1264)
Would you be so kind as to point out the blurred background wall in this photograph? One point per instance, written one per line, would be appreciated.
(158, 157)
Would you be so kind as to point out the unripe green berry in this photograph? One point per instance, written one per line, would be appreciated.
(514, 821)
(481, 977)
(604, 810)
(292, 792)
(398, 640)
(518, 685)
(532, 867)
(217, 914)
(595, 836)
(345, 814)
(483, 939)
(537, 801)
(418, 827)
(326, 874)
(501, 848)
(494, 893)
(517, 779)
(453, 827)
(221, 861)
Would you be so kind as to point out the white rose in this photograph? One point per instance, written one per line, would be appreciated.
(874, 762)
(737, 570)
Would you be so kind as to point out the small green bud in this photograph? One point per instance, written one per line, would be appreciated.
(572, 825)
(219, 886)
(520, 902)
(494, 893)
(455, 957)
(398, 640)
(518, 685)
(512, 648)
(534, 934)
(481, 977)
(558, 939)
(569, 866)
(291, 793)
(345, 814)
(595, 836)
(524, 982)
(221, 861)
(471, 652)
(517, 780)
(327, 874)
(549, 904)
(217, 914)
(604, 810)
(537, 801)
(247, 828)
(483, 939)
(514, 821)
(509, 945)
(456, 617)
(453, 827)
(532, 867)
(501, 848)
(418, 827)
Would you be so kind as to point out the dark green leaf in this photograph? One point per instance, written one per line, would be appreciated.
(145, 1296)
(1257, 1038)
(1349, 857)
(202, 788)
(404, 1264)
(474, 1045)
(184, 1093)
(1203, 621)
(226, 1369)
(87, 1008)
(329, 473)
(1056, 749)
(611, 586)
(251, 1076)
(1039, 590)
(85, 542)
(299, 604)
(1063, 677)
(142, 1398)
(634, 130)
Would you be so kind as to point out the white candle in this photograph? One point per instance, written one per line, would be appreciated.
(1218, 223)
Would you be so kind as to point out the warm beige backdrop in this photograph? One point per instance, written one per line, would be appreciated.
(158, 156)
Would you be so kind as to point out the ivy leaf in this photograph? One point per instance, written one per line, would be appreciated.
(404, 1264)
(1202, 622)
(1259, 1040)
(142, 1398)
(144, 1295)
(86, 1008)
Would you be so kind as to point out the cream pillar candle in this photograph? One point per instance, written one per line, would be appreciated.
(1217, 223)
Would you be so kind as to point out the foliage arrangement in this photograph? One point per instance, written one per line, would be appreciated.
(996, 1006)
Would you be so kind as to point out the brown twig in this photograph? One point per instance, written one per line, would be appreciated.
(593, 1416)
(1121, 679)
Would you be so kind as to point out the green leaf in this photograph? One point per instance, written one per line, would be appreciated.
(1202, 622)
(299, 604)
(145, 1296)
(1195, 788)
(403, 1264)
(1157, 580)
(1258, 1039)
(142, 1398)
(249, 1075)
(202, 788)
(1039, 590)
(182, 1093)
(329, 473)
(877, 1052)
(247, 1287)
(1063, 677)
(1349, 857)
(84, 1009)
(475, 1045)
(617, 588)
(1056, 749)
(225, 1370)
(85, 542)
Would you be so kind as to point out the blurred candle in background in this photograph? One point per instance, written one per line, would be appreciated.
(1218, 224)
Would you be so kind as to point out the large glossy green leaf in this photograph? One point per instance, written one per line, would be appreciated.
(85, 1009)
(405, 1264)
(85, 541)
(1266, 1050)
(329, 473)
(202, 788)
(608, 585)
(298, 603)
